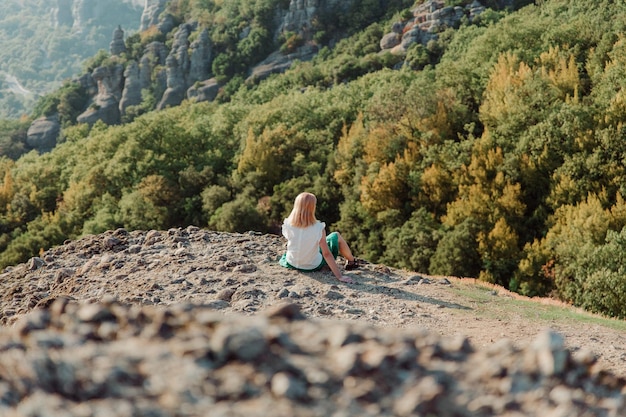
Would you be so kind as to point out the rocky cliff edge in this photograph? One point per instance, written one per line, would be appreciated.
(189, 322)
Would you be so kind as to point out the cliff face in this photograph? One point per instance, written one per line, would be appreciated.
(151, 11)
(186, 66)
(183, 70)
(187, 73)
(429, 19)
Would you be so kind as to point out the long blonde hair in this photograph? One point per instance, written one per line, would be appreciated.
(303, 212)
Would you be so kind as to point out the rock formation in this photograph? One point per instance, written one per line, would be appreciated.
(117, 45)
(151, 11)
(175, 92)
(145, 72)
(87, 83)
(297, 19)
(204, 90)
(180, 47)
(131, 95)
(43, 132)
(390, 40)
(200, 59)
(158, 51)
(105, 105)
(184, 71)
(178, 65)
(277, 62)
(167, 23)
(429, 18)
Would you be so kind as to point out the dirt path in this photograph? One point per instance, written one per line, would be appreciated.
(461, 307)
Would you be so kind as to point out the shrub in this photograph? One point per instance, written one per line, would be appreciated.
(292, 42)
(456, 253)
(413, 244)
(213, 197)
(603, 273)
(240, 215)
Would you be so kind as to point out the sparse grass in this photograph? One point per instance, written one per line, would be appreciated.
(498, 303)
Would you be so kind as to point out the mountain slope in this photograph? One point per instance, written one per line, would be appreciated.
(495, 150)
(188, 321)
(44, 43)
(239, 273)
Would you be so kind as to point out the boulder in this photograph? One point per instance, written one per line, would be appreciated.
(43, 133)
(389, 41)
(204, 91)
(416, 35)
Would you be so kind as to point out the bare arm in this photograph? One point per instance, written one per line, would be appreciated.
(330, 260)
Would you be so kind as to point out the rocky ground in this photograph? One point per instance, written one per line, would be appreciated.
(189, 322)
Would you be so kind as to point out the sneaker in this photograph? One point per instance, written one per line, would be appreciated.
(350, 265)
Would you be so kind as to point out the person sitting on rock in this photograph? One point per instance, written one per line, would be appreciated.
(308, 247)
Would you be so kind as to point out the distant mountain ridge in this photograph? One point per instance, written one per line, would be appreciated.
(45, 42)
(167, 62)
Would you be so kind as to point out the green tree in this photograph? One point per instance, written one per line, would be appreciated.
(240, 215)
(604, 269)
(413, 244)
(456, 252)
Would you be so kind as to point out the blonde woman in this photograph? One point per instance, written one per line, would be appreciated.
(308, 247)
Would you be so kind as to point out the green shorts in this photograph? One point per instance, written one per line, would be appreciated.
(333, 244)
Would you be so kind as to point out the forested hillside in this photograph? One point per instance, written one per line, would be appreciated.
(496, 150)
(45, 42)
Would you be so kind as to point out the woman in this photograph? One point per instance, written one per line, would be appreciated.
(308, 247)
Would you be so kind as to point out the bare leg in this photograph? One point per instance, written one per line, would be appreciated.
(344, 249)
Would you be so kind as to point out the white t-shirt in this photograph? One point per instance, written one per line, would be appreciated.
(303, 245)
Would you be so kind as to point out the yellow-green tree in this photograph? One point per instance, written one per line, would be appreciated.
(575, 232)
(491, 202)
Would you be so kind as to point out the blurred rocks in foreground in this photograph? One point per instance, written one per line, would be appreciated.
(110, 359)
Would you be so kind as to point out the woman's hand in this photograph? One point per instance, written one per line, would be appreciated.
(346, 279)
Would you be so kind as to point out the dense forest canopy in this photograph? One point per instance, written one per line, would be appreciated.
(496, 151)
